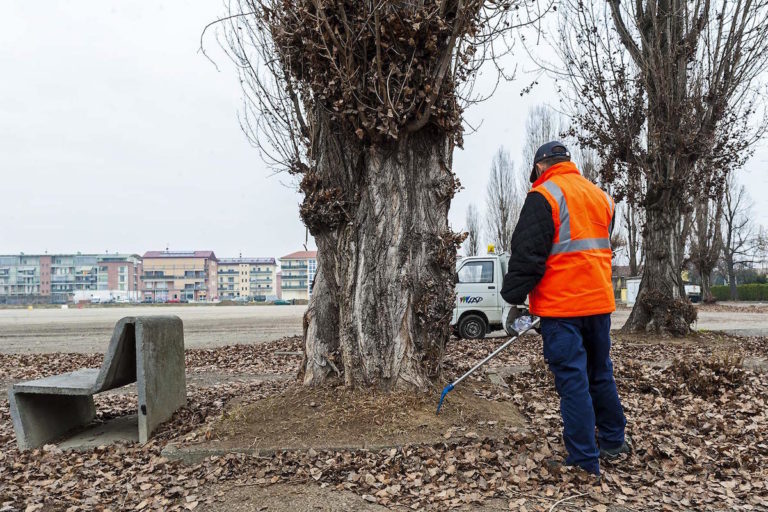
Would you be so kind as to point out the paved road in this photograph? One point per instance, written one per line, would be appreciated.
(742, 323)
(88, 330)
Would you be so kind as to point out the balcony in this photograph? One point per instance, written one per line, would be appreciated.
(301, 277)
(298, 266)
(160, 278)
(294, 287)
(63, 278)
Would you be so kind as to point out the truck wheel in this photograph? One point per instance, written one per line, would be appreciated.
(472, 327)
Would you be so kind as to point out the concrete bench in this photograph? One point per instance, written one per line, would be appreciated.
(147, 350)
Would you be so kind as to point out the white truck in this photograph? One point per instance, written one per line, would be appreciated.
(479, 307)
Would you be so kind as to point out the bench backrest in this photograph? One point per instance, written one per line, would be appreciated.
(119, 366)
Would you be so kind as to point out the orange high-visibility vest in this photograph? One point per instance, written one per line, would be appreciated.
(577, 280)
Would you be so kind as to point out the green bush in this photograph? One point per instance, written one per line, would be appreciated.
(756, 292)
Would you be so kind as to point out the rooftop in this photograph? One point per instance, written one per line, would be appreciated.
(180, 254)
(251, 261)
(300, 255)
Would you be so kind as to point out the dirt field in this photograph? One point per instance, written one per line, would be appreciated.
(88, 330)
(741, 320)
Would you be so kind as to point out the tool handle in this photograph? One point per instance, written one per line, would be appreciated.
(493, 354)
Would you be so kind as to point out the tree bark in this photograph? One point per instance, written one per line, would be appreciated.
(661, 304)
(630, 219)
(706, 288)
(384, 291)
(732, 288)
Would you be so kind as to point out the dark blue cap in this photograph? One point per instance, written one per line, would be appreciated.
(549, 150)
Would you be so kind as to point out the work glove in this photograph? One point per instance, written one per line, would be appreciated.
(517, 320)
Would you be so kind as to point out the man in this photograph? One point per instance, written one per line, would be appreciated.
(561, 259)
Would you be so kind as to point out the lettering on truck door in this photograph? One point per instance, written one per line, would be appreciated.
(478, 287)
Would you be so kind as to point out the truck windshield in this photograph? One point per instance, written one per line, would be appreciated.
(476, 272)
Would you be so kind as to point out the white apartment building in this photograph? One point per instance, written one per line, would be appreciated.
(298, 273)
(249, 278)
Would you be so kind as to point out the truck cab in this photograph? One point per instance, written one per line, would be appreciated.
(479, 307)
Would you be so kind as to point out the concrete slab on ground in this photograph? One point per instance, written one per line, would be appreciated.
(288, 498)
(309, 497)
(120, 429)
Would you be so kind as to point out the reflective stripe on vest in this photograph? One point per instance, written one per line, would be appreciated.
(584, 244)
(565, 244)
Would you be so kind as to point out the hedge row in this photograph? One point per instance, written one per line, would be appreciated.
(757, 292)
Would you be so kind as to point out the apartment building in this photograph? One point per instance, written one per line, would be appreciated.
(179, 276)
(249, 278)
(297, 274)
(63, 278)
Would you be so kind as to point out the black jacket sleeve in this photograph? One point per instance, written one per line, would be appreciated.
(531, 243)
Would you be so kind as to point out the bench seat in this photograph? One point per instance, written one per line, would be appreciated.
(79, 382)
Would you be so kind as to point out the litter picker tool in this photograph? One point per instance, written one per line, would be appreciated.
(523, 324)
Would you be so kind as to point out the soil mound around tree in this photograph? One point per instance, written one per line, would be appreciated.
(301, 418)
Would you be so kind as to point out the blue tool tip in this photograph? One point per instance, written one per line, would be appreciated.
(447, 389)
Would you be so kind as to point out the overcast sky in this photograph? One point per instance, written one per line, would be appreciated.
(117, 135)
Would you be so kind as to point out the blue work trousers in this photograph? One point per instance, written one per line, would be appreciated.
(578, 353)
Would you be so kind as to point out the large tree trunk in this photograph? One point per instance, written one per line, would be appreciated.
(706, 288)
(734, 291)
(630, 219)
(661, 304)
(384, 290)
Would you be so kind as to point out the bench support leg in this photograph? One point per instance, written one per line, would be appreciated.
(40, 419)
(160, 378)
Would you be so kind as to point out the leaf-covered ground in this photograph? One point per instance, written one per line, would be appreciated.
(696, 411)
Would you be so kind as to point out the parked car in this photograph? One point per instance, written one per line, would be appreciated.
(147, 300)
(282, 302)
(173, 301)
(95, 300)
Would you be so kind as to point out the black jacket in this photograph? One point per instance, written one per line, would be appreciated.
(531, 243)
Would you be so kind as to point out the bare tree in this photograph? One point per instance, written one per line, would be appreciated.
(543, 125)
(738, 233)
(472, 243)
(632, 221)
(761, 242)
(588, 162)
(618, 234)
(363, 101)
(505, 194)
(658, 88)
(706, 242)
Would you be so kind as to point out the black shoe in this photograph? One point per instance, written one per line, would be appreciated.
(614, 453)
(554, 466)
(557, 467)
